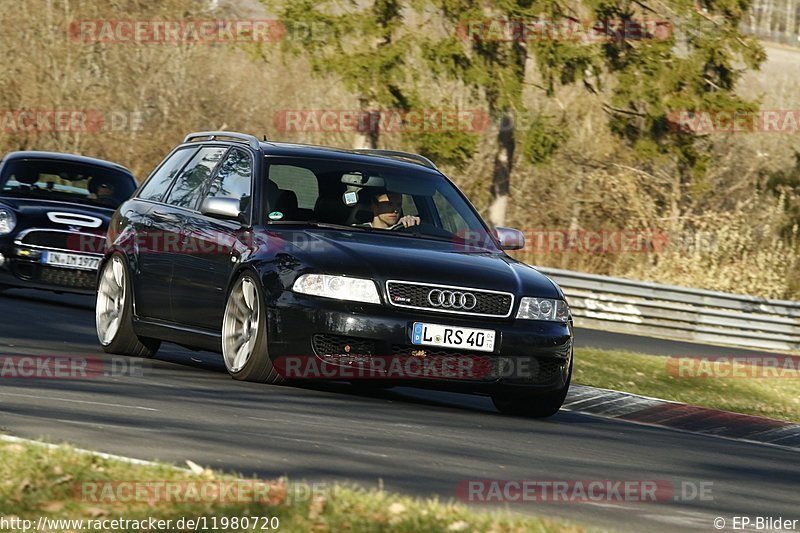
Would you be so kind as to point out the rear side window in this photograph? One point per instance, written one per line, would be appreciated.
(157, 185)
(191, 183)
(299, 180)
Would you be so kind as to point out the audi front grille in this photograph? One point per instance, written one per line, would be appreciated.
(449, 299)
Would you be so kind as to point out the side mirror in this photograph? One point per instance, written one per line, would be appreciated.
(222, 208)
(510, 239)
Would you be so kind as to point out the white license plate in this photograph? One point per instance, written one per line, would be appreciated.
(481, 340)
(81, 262)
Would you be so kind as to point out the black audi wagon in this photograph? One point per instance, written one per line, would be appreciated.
(306, 262)
(54, 214)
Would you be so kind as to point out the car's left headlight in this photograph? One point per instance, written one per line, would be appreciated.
(543, 309)
(7, 220)
(339, 287)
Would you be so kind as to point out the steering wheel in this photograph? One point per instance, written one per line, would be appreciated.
(423, 227)
(400, 227)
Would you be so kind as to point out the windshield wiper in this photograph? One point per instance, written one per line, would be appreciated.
(316, 224)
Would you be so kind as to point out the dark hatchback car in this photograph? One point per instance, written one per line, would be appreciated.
(54, 214)
(274, 255)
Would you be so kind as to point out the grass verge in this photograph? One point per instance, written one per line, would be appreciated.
(648, 375)
(61, 483)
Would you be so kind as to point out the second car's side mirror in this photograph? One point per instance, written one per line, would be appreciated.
(224, 208)
(510, 239)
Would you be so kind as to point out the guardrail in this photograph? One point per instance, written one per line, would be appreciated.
(681, 313)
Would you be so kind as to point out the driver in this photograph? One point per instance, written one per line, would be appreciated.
(386, 211)
(102, 190)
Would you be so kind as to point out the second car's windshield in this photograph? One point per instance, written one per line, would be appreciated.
(358, 195)
(65, 181)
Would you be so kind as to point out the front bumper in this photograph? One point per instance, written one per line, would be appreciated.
(320, 338)
(22, 267)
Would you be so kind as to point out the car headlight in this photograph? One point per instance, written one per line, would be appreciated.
(7, 221)
(339, 287)
(543, 309)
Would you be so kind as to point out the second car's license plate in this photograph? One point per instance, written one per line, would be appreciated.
(453, 337)
(82, 262)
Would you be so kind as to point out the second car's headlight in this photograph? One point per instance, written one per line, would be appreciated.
(543, 309)
(339, 287)
(7, 221)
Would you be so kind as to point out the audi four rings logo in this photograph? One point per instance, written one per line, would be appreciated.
(452, 299)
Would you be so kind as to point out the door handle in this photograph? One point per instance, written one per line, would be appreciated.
(165, 217)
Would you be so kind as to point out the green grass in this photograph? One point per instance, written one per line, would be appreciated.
(649, 375)
(39, 481)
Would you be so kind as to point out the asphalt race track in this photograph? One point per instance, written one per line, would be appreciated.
(184, 406)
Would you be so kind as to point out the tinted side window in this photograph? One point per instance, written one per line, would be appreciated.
(451, 219)
(189, 186)
(299, 180)
(234, 178)
(158, 184)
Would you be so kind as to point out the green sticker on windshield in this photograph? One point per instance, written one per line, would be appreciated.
(275, 215)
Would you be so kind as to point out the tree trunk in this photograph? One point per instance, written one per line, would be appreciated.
(368, 127)
(501, 175)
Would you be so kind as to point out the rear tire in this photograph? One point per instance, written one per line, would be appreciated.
(244, 334)
(533, 405)
(114, 313)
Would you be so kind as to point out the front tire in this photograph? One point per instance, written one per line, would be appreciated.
(533, 405)
(114, 313)
(244, 334)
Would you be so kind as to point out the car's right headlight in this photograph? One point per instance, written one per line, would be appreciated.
(7, 221)
(339, 287)
(543, 309)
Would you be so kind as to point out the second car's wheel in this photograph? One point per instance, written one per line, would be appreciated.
(244, 334)
(114, 313)
(533, 405)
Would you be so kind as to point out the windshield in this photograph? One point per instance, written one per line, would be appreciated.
(65, 181)
(420, 204)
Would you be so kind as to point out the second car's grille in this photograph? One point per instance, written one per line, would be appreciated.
(86, 243)
(80, 279)
(64, 277)
(448, 299)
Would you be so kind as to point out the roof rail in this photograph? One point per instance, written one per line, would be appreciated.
(399, 155)
(252, 140)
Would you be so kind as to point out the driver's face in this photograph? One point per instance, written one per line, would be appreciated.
(387, 208)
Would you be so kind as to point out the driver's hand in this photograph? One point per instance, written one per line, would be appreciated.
(408, 221)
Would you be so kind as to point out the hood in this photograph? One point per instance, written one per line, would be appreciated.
(385, 257)
(33, 213)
